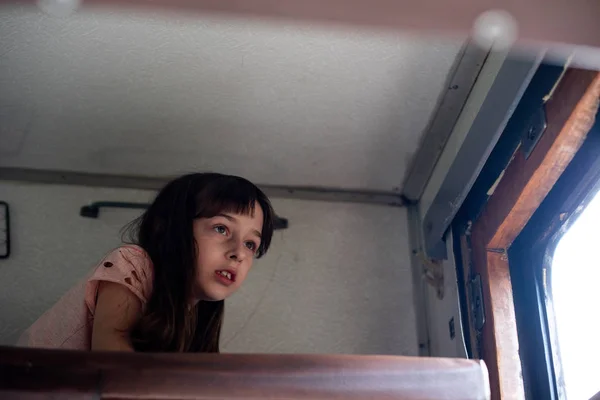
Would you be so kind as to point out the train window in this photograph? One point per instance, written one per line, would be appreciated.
(574, 291)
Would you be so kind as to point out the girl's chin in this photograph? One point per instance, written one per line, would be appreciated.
(211, 294)
(213, 298)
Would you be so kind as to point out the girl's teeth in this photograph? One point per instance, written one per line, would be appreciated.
(225, 274)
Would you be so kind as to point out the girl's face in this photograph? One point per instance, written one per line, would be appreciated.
(227, 244)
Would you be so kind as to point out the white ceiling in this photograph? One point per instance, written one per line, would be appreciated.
(155, 95)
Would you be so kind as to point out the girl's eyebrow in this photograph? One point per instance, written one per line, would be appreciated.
(229, 217)
(234, 219)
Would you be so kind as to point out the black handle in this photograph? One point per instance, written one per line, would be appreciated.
(93, 210)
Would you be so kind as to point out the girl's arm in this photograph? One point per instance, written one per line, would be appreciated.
(117, 311)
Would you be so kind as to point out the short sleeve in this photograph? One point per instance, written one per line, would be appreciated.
(129, 266)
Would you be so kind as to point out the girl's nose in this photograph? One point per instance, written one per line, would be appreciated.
(236, 251)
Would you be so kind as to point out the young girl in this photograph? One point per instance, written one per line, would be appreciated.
(193, 248)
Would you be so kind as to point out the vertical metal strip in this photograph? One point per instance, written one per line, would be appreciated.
(419, 286)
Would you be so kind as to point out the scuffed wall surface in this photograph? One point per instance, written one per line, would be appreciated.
(441, 311)
(337, 281)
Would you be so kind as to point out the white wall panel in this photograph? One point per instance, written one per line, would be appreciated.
(337, 281)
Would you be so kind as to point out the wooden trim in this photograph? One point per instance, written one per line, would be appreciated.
(42, 374)
(488, 347)
(570, 114)
(500, 344)
(570, 22)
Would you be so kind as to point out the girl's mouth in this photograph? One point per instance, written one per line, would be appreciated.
(226, 277)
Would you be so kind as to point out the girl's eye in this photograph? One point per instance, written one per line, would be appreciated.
(220, 229)
(251, 246)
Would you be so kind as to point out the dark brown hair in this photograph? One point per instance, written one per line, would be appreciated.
(165, 232)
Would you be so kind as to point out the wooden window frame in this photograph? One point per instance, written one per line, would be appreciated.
(530, 259)
(570, 113)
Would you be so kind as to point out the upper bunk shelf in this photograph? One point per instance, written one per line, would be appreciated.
(154, 93)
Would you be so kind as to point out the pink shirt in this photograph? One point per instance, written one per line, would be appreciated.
(68, 324)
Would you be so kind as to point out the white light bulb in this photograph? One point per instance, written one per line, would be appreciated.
(495, 27)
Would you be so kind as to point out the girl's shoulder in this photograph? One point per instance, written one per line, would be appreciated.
(129, 258)
(127, 265)
(132, 249)
(126, 257)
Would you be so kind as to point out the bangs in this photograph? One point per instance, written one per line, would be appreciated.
(227, 195)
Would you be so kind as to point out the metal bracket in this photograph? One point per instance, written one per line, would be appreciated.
(476, 299)
(533, 131)
(433, 272)
(451, 328)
